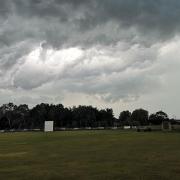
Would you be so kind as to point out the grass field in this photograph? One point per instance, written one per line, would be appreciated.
(92, 155)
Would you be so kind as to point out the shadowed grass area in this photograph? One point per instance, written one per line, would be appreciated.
(81, 155)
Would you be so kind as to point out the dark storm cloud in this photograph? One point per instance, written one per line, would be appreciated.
(152, 20)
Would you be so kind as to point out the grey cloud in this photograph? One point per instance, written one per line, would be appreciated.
(130, 34)
(110, 74)
(85, 22)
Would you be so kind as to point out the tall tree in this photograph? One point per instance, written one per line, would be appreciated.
(140, 116)
(125, 118)
(7, 111)
(158, 117)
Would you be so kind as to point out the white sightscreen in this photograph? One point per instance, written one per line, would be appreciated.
(48, 126)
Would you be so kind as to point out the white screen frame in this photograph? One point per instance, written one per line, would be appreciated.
(48, 126)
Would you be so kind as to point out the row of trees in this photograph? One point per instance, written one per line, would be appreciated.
(141, 117)
(21, 117)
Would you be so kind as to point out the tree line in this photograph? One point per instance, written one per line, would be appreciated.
(22, 117)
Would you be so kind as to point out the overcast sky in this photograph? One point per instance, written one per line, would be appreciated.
(123, 54)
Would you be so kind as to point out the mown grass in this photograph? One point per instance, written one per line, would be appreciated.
(92, 155)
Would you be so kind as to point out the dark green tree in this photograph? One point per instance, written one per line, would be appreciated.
(158, 118)
(125, 118)
(140, 116)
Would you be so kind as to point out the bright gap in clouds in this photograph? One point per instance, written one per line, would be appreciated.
(44, 65)
(54, 58)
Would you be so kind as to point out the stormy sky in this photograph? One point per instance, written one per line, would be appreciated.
(123, 54)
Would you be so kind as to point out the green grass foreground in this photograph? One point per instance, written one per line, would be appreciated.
(92, 155)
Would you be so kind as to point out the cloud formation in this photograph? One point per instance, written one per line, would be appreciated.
(70, 22)
(109, 50)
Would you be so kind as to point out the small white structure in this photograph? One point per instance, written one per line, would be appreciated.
(48, 126)
(127, 127)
